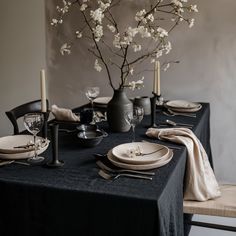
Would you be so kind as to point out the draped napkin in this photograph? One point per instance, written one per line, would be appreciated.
(64, 114)
(200, 181)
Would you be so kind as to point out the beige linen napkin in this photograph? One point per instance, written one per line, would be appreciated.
(64, 114)
(200, 181)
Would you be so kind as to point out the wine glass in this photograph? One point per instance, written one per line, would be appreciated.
(92, 93)
(33, 123)
(134, 117)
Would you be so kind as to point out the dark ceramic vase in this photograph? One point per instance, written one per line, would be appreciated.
(116, 111)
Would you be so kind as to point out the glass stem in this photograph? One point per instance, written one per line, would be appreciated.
(133, 129)
(35, 148)
(93, 121)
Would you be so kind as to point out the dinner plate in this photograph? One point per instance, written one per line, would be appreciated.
(146, 152)
(186, 110)
(101, 101)
(149, 166)
(182, 104)
(9, 152)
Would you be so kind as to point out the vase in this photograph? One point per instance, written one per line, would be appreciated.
(117, 108)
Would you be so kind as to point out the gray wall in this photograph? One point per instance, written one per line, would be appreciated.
(22, 47)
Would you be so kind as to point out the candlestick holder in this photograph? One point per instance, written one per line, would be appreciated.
(54, 134)
(45, 124)
(153, 109)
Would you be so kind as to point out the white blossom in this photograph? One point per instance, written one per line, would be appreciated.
(159, 53)
(167, 65)
(131, 71)
(98, 32)
(136, 84)
(97, 66)
(83, 7)
(193, 8)
(144, 32)
(191, 22)
(162, 32)
(78, 34)
(177, 3)
(65, 48)
(150, 17)
(168, 47)
(111, 28)
(137, 47)
(116, 41)
(97, 15)
(140, 15)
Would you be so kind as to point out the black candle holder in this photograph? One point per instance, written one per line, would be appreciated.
(154, 100)
(54, 135)
(45, 124)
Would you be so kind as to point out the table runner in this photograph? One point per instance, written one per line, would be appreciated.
(75, 200)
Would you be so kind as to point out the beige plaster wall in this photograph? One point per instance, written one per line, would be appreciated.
(22, 54)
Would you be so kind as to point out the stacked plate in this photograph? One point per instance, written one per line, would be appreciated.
(21, 146)
(183, 106)
(101, 101)
(140, 155)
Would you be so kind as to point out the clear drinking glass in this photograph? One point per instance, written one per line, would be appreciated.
(33, 123)
(92, 93)
(134, 117)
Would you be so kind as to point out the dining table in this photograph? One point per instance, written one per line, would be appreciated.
(74, 200)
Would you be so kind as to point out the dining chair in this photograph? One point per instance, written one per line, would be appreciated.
(224, 206)
(19, 111)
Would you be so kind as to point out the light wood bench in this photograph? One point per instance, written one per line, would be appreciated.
(224, 206)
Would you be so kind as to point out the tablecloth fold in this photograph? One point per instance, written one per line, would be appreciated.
(200, 181)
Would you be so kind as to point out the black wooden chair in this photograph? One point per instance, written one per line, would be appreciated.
(19, 111)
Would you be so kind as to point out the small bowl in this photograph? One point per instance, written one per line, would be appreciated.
(90, 138)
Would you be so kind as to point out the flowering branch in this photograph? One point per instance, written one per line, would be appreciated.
(123, 47)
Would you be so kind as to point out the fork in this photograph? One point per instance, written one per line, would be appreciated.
(173, 113)
(115, 171)
(110, 176)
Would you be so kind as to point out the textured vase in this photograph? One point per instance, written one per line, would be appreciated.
(117, 108)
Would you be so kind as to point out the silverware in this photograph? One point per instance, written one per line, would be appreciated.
(117, 171)
(110, 176)
(170, 122)
(173, 113)
(167, 145)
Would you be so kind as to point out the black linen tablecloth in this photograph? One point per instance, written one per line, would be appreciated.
(74, 200)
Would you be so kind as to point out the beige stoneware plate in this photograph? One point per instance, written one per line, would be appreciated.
(152, 152)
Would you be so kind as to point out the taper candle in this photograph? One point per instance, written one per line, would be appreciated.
(43, 91)
(155, 77)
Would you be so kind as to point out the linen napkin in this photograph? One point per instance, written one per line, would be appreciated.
(200, 181)
(64, 114)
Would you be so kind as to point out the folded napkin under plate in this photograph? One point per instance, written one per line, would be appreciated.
(183, 106)
(140, 155)
(21, 146)
(200, 181)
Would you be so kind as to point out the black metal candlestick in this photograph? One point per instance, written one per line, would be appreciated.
(45, 124)
(153, 109)
(54, 134)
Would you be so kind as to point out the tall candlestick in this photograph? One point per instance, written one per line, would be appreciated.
(43, 91)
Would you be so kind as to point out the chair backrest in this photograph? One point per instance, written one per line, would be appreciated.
(19, 111)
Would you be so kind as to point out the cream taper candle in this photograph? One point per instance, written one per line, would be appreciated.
(43, 91)
(156, 81)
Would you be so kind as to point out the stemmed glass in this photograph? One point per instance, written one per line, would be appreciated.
(33, 123)
(134, 117)
(92, 93)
